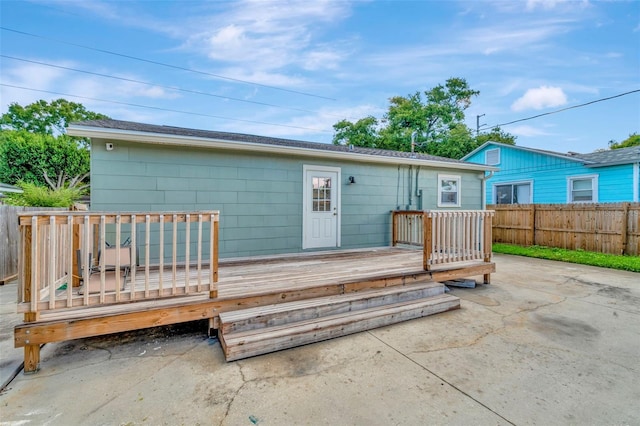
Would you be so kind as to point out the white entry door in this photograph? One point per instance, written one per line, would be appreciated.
(321, 220)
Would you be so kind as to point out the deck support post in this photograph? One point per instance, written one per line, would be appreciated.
(31, 351)
(31, 359)
(214, 325)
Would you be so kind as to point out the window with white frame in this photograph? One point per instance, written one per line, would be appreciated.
(492, 157)
(448, 191)
(582, 189)
(513, 193)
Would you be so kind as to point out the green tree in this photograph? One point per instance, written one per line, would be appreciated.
(35, 149)
(632, 140)
(431, 117)
(496, 135)
(361, 133)
(458, 142)
(33, 157)
(44, 117)
(433, 120)
(40, 196)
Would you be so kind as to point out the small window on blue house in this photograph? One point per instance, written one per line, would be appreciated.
(492, 157)
(513, 193)
(448, 191)
(582, 189)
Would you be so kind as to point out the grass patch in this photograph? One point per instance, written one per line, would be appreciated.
(612, 261)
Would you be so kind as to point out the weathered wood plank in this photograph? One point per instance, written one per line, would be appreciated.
(257, 342)
(282, 313)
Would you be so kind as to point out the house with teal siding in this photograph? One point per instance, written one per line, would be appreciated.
(534, 176)
(274, 195)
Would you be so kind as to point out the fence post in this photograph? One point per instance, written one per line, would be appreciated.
(532, 218)
(624, 231)
(427, 226)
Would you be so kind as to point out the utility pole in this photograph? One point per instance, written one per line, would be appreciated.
(478, 124)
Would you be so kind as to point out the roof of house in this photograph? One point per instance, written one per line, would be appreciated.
(151, 133)
(594, 159)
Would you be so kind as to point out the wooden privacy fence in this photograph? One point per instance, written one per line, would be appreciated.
(10, 239)
(606, 228)
(67, 260)
(446, 236)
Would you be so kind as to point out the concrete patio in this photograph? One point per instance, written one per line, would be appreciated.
(546, 343)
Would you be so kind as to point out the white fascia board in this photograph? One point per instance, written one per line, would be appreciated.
(163, 139)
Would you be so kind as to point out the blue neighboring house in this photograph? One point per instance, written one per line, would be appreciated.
(534, 176)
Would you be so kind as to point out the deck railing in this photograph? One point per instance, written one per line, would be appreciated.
(446, 236)
(80, 259)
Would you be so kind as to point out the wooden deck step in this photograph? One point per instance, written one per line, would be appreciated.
(288, 312)
(248, 343)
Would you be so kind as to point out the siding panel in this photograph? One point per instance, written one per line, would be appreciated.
(260, 196)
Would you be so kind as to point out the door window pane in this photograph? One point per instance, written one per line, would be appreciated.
(321, 194)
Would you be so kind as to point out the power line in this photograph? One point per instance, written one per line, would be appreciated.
(149, 61)
(179, 89)
(162, 109)
(568, 108)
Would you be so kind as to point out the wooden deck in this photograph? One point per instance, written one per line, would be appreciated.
(243, 283)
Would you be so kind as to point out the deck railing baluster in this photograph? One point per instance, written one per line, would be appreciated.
(199, 252)
(133, 259)
(60, 251)
(174, 248)
(161, 256)
(451, 236)
(53, 260)
(147, 255)
(187, 254)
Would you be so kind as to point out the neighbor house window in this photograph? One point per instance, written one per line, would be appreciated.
(582, 189)
(448, 191)
(513, 193)
(492, 157)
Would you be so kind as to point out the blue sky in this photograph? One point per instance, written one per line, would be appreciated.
(292, 69)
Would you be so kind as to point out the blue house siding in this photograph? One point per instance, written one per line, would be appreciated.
(260, 196)
(549, 174)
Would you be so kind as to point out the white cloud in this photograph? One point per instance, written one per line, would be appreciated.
(60, 82)
(539, 98)
(514, 37)
(268, 36)
(527, 131)
(264, 77)
(552, 4)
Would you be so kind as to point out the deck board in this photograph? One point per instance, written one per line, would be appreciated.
(249, 280)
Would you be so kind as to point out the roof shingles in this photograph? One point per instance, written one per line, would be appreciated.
(245, 138)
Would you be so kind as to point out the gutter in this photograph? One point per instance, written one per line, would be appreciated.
(484, 178)
(176, 140)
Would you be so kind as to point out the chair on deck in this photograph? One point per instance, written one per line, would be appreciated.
(109, 262)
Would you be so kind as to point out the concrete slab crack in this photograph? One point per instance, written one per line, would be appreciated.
(441, 379)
